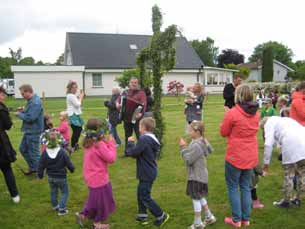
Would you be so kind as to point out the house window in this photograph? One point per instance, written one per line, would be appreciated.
(97, 80)
(133, 46)
(222, 79)
(212, 78)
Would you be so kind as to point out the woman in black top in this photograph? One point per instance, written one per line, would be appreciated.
(7, 153)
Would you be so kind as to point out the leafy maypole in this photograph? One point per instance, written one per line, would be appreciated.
(161, 55)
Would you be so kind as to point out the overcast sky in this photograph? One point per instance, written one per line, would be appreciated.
(39, 26)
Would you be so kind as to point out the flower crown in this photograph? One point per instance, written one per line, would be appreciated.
(50, 142)
(102, 130)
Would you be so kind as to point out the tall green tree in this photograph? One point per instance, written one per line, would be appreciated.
(299, 73)
(161, 55)
(5, 67)
(60, 60)
(16, 55)
(206, 50)
(230, 56)
(267, 70)
(27, 61)
(280, 52)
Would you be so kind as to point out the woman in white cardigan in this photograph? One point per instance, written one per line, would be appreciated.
(74, 110)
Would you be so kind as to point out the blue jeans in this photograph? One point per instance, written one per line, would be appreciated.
(29, 148)
(62, 185)
(115, 134)
(240, 203)
(146, 202)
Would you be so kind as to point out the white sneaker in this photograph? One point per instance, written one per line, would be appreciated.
(16, 199)
(197, 226)
(209, 220)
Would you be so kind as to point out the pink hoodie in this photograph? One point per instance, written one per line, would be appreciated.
(64, 130)
(96, 160)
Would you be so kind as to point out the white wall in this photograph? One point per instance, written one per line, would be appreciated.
(52, 83)
(279, 73)
(187, 79)
(107, 81)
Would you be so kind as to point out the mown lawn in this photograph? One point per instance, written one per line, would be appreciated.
(34, 210)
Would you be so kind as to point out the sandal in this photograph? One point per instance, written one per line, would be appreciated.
(79, 219)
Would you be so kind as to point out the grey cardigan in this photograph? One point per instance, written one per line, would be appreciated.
(195, 157)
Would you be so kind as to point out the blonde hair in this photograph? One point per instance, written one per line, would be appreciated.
(116, 90)
(283, 99)
(64, 114)
(70, 85)
(198, 89)
(148, 123)
(243, 94)
(197, 126)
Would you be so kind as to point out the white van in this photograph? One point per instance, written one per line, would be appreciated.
(8, 85)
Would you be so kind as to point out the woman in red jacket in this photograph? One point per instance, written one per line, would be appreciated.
(297, 109)
(240, 126)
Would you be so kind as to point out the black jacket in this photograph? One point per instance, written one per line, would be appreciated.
(56, 167)
(113, 113)
(228, 95)
(145, 151)
(7, 152)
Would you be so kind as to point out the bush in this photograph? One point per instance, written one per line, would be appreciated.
(124, 78)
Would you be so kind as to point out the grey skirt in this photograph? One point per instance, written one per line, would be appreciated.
(196, 190)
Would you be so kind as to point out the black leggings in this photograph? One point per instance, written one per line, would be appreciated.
(9, 179)
(76, 131)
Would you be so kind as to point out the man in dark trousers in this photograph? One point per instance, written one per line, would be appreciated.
(229, 91)
(134, 110)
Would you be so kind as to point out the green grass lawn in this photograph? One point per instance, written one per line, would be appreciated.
(34, 210)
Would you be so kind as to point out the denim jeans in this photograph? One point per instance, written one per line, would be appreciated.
(146, 202)
(29, 148)
(115, 134)
(240, 203)
(62, 185)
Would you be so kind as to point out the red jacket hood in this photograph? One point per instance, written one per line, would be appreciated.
(298, 95)
(243, 112)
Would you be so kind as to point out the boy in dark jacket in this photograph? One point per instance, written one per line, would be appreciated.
(55, 160)
(113, 114)
(146, 151)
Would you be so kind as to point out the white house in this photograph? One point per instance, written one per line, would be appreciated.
(94, 60)
(280, 71)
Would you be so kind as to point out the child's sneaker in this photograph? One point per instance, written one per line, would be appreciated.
(257, 205)
(245, 223)
(16, 199)
(296, 202)
(142, 220)
(162, 221)
(229, 220)
(282, 204)
(197, 226)
(62, 212)
(209, 220)
(55, 208)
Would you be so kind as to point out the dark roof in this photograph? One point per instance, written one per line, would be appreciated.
(253, 65)
(98, 50)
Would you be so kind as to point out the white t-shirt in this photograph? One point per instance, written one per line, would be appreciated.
(289, 134)
(73, 105)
